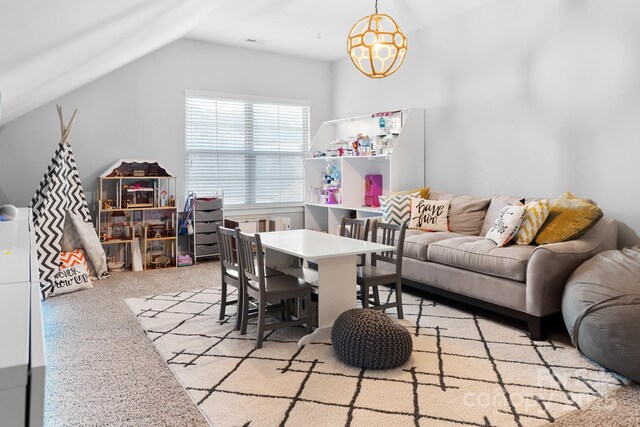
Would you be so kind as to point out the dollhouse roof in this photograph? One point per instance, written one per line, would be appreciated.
(125, 168)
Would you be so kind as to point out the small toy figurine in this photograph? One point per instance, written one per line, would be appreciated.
(331, 177)
(330, 184)
(163, 198)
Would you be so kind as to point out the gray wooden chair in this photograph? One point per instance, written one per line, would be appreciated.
(356, 229)
(268, 292)
(230, 272)
(385, 267)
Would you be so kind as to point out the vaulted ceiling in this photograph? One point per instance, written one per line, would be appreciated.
(50, 48)
(314, 28)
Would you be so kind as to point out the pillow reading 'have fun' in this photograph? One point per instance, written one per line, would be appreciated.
(429, 215)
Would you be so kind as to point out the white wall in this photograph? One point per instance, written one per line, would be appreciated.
(525, 98)
(137, 111)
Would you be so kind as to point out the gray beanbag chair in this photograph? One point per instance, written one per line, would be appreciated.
(601, 309)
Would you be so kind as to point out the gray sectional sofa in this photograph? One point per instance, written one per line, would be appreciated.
(522, 281)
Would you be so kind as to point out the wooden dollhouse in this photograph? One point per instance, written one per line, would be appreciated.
(137, 215)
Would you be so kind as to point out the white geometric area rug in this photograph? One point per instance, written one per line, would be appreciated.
(464, 370)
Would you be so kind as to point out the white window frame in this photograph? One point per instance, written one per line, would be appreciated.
(252, 99)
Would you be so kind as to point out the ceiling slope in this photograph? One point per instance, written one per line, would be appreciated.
(48, 49)
(315, 29)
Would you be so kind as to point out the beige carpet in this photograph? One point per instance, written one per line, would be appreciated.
(465, 370)
(102, 370)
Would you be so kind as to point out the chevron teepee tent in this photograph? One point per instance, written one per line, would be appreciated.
(59, 193)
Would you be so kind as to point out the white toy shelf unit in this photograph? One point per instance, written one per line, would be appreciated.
(394, 149)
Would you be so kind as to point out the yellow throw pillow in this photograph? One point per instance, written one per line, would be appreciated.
(424, 192)
(569, 218)
(534, 218)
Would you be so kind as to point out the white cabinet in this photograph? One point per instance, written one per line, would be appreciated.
(22, 357)
(401, 164)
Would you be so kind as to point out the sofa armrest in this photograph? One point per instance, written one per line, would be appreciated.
(551, 265)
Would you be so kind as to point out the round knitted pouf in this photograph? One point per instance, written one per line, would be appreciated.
(369, 339)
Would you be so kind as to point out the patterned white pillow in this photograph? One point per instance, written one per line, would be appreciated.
(71, 279)
(429, 215)
(80, 234)
(536, 214)
(396, 209)
(506, 225)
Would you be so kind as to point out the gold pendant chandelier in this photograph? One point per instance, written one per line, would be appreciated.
(376, 45)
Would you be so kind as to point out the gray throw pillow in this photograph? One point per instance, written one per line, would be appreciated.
(467, 212)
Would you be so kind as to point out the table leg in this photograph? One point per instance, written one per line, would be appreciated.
(336, 294)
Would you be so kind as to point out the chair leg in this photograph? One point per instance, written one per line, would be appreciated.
(365, 296)
(223, 300)
(307, 298)
(288, 308)
(399, 299)
(261, 322)
(245, 314)
(376, 295)
(285, 313)
(239, 306)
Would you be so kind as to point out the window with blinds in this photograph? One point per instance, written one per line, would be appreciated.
(252, 149)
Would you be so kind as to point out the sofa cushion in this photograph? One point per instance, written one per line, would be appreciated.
(466, 214)
(439, 195)
(417, 241)
(496, 205)
(477, 254)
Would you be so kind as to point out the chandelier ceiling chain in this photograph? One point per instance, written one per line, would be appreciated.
(376, 45)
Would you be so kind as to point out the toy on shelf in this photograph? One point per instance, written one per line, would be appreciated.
(330, 183)
(364, 145)
(372, 190)
(339, 148)
(331, 177)
(314, 193)
(381, 145)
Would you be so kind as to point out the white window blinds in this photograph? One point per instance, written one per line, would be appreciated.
(253, 150)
